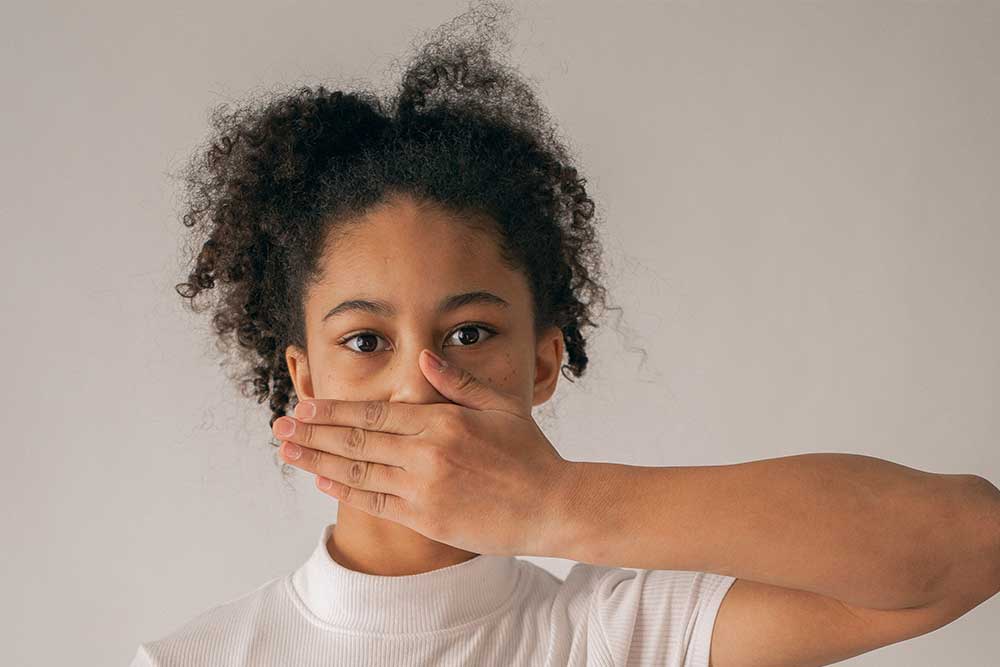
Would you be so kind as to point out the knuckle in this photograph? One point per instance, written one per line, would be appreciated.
(313, 458)
(458, 427)
(453, 412)
(357, 473)
(388, 475)
(376, 414)
(464, 380)
(439, 469)
(452, 419)
(306, 433)
(438, 458)
(355, 444)
(376, 503)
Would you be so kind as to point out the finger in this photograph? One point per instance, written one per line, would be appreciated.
(378, 504)
(387, 416)
(353, 442)
(362, 475)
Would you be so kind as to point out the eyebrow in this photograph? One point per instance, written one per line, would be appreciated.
(386, 309)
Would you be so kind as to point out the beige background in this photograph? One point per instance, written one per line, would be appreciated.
(801, 210)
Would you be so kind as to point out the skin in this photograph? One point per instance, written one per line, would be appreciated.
(412, 255)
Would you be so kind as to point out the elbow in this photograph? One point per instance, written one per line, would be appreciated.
(969, 544)
(990, 528)
(984, 526)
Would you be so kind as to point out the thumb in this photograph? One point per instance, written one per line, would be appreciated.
(462, 387)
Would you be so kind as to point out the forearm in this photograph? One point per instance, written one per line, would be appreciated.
(860, 529)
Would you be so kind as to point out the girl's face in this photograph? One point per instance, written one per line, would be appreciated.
(405, 277)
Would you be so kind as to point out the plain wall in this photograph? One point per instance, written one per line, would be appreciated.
(800, 210)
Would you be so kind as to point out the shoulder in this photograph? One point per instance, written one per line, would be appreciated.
(215, 635)
(662, 617)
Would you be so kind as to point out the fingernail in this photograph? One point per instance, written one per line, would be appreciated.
(437, 362)
(305, 410)
(292, 450)
(284, 427)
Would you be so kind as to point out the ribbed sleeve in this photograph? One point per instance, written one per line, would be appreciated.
(142, 658)
(658, 617)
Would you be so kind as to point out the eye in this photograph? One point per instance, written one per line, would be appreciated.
(367, 347)
(475, 337)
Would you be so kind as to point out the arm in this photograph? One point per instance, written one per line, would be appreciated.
(863, 530)
(835, 554)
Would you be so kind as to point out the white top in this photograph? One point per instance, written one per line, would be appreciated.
(489, 610)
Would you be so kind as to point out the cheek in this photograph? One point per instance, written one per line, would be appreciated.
(511, 374)
(346, 383)
(339, 379)
(506, 373)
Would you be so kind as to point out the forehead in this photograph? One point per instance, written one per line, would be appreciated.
(402, 247)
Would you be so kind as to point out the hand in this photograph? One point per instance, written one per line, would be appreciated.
(477, 473)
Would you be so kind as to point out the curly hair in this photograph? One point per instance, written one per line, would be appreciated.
(278, 178)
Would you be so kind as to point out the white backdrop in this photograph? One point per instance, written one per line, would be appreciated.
(802, 227)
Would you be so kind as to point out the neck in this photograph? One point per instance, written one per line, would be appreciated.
(368, 544)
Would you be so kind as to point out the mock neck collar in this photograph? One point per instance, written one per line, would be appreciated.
(435, 600)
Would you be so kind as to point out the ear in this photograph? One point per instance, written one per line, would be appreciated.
(548, 362)
(298, 369)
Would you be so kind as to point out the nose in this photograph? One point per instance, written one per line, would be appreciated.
(409, 383)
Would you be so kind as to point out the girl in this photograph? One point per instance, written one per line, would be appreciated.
(343, 235)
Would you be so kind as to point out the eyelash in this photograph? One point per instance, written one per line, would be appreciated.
(468, 325)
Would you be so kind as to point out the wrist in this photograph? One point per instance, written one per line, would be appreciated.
(571, 514)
